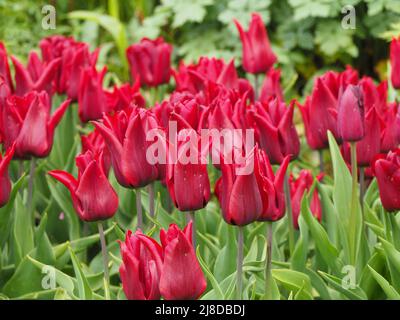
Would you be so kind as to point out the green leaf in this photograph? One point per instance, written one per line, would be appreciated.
(187, 11)
(85, 292)
(294, 281)
(5, 212)
(353, 294)
(385, 285)
(210, 276)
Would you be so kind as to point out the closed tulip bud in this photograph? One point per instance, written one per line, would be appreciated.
(5, 182)
(239, 193)
(319, 113)
(271, 87)
(27, 121)
(141, 267)
(92, 195)
(351, 122)
(36, 77)
(300, 186)
(4, 67)
(125, 136)
(395, 62)
(187, 181)
(92, 99)
(189, 283)
(150, 60)
(257, 55)
(387, 171)
(275, 130)
(370, 145)
(271, 187)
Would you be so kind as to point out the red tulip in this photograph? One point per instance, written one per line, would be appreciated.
(151, 61)
(75, 57)
(369, 146)
(271, 87)
(271, 187)
(189, 175)
(387, 173)
(395, 62)
(189, 282)
(390, 136)
(351, 126)
(94, 142)
(92, 99)
(141, 267)
(4, 67)
(374, 96)
(297, 189)
(5, 182)
(92, 195)
(125, 136)
(27, 121)
(275, 130)
(36, 77)
(238, 191)
(124, 96)
(319, 113)
(258, 56)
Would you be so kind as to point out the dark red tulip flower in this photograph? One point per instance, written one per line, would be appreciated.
(271, 186)
(298, 187)
(151, 61)
(75, 56)
(92, 98)
(239, 192)
(92, 195)
(319, 112)
(94, 142)
(27, 122)
(4, 67)
(5, 182)
(275, 131)
(125, 136)
(271, 87)
(124, 96)
(374, 95)
(37, 76)
(395, 62)
(140, 271)
(351, 122)
(370, 145)
(390, 137)
(258, 56)
(187, 181)
(387, 172)
(181, 276)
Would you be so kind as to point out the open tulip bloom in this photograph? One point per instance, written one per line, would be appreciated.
(248, 175)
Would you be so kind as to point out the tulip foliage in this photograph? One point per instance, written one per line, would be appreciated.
(195, 180)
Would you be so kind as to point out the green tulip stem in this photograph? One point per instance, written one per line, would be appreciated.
(105, 257)
(151, 199)
(362, 187)
(354, 202)
(139, 211)
(29, 202)
(289, 213)
(321, 161)
(239, 272)
(268, 262)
